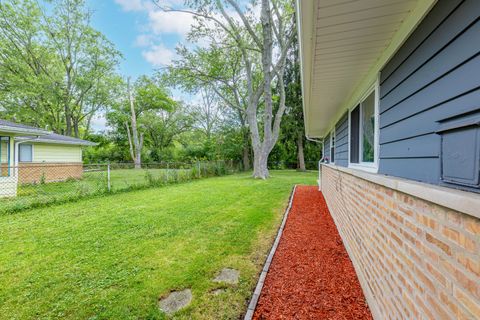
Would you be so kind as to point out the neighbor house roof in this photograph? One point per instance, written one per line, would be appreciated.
(343, 46)
(60, 139)
(40, 135)
(12, 127)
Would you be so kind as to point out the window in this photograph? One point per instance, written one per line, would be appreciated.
(363, 126)
(368, 128)
(25, 153)
(332, 148)
(355, 135)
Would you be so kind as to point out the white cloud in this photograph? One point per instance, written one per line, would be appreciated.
(159, 55)
(170, 22)
(143, 40)
(131, 5)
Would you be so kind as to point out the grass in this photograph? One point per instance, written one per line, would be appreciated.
(95, 182)
(112, 257)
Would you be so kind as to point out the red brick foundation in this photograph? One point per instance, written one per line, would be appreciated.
(415, 259)
(49, 172)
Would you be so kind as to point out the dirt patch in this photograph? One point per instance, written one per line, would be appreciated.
(311, 276)
(220, 291)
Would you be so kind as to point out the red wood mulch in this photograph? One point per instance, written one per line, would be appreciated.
(311, 276)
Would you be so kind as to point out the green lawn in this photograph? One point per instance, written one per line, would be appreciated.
(95, 182)
(112, 257)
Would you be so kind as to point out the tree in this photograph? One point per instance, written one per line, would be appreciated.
(53, 66)
(293, 124)
(263, 44)
(133, 117)
(164, 127)
(209, 68)
(207, 113)
(134, 140)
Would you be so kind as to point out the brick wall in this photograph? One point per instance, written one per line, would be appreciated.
(33, 172)
(415, 259)
(3, 170)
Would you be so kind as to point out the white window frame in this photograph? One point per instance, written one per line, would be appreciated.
(366, 166)
(33, 152)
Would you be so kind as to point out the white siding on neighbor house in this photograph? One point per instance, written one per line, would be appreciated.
(43, 152)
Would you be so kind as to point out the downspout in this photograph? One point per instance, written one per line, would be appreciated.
(319, 181)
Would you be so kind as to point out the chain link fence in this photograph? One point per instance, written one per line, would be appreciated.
(32, 185)
(282, 165)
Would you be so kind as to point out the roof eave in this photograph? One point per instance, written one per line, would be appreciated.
(306, 24)
(14, 130)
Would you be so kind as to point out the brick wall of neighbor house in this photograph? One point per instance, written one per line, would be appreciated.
(3, 170)
(33, 172)
(415, 259)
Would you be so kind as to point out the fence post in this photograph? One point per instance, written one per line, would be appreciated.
(109, 187)
(198, 169)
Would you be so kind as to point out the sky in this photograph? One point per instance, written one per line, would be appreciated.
(145, 35)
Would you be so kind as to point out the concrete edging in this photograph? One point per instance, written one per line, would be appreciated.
(263, 274)
(462, 201)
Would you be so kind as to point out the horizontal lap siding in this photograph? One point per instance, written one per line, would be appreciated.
(341, 142)
(435, 75)
(56, 153)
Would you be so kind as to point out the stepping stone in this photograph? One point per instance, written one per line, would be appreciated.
(228, 275)
(175, 301)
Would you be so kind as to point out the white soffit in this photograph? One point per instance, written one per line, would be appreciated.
(348, 39)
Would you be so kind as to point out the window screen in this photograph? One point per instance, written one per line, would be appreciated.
(332, 149)
(25, 153)
(355, 135)
(368, 128)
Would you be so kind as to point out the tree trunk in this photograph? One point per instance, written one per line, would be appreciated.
(300, 154)
(76, 129)
(68, 121)
(246, 156)
(260, 164)
(137, 143)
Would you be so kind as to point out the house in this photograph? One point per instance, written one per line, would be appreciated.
(32, 155)
(392, 90)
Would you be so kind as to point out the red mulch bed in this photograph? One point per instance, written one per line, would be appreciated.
(311, 276)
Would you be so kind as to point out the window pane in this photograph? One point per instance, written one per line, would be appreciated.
(355, 135)
(368, 128)
(25, 153)
(332, 149)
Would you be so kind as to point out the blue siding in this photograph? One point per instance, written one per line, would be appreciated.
(341, 142)
(434, 76)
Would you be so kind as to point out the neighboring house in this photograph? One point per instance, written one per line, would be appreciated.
(392, 89)
(32, 155)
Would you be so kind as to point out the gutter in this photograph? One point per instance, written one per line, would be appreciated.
(23, 131)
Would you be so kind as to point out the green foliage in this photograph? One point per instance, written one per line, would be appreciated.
(56, 71)
(123, 178)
